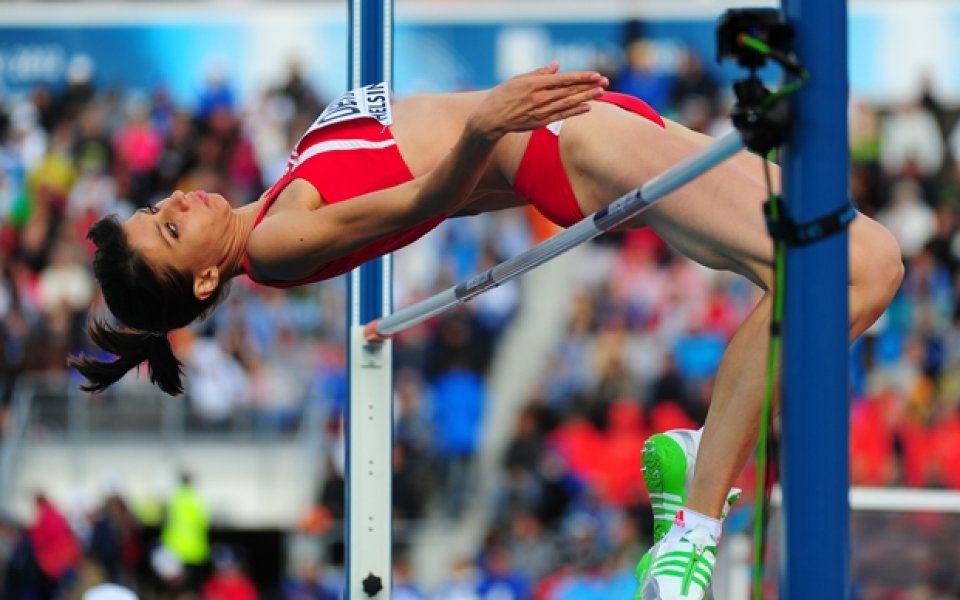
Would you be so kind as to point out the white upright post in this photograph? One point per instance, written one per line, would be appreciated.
(369, 428)
(370, 452)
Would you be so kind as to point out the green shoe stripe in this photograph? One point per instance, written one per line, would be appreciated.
(706, 571)
(683, 561)
(642, 572)
(687, 554)
(671, 508)
(665, 517)
(696, 578)
(671, 572)
(668, 563)
(703, 572)
(666, 496)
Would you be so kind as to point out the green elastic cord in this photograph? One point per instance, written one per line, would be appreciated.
(751, 42)
(789, 63)
(773, 359)
(786, 90)
(763, 449)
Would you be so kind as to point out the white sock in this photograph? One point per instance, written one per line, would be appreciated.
(691, 443)
(687, 519)
(695, 436)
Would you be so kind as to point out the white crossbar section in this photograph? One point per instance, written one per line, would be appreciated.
(894, 499)
(619, 212)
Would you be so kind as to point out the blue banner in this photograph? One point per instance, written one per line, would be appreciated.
(891, 50)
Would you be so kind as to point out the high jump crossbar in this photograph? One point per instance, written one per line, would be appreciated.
(619, 212)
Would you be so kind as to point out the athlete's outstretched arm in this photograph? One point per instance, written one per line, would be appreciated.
(295, 241)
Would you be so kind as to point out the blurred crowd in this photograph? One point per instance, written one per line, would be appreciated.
(114, 551)
(639, 353)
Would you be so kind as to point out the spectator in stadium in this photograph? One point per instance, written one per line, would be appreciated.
(169, 264)
(20, 575)
(185, 532)
(55, 546)
(642, 78)
(116, 540)
(912, 145)
(229, 581)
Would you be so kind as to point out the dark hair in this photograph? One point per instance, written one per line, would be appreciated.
(148, 303)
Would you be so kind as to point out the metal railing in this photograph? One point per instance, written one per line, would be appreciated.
(11, 439)
(49, 409)
(63, 413)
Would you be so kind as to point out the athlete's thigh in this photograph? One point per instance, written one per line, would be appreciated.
(717, 219)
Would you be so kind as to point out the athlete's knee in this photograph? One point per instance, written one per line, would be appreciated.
(876, 270)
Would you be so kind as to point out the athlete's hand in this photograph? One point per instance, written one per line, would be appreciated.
(532, 100)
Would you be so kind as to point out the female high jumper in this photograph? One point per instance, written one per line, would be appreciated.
(373, 174)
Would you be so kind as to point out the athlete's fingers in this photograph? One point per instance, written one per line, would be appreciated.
(522, 104)
(561, 80)
(544, 87)
(572, 99)
(549, 96)
(557, 81)
(550, 69)
(553, 110)
(553, 67)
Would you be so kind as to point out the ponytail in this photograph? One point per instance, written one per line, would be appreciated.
(146, 300)
(131, 349)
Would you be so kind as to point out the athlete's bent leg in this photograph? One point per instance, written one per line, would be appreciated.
(717, 220)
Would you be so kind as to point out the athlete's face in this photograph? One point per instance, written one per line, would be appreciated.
(186, 231)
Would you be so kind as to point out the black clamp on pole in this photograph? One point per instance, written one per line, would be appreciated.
(751, 37)
(784, 229)
(762, 119)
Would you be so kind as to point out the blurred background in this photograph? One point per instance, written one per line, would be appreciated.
(520, 416)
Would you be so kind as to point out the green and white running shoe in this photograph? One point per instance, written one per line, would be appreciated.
(643, 570)
(668, 462)
(681, 567)
(669, 459)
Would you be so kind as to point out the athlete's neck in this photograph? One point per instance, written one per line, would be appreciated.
(242, 220)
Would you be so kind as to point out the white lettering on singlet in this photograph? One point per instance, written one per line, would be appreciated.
(369, 101)
(372, 101)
